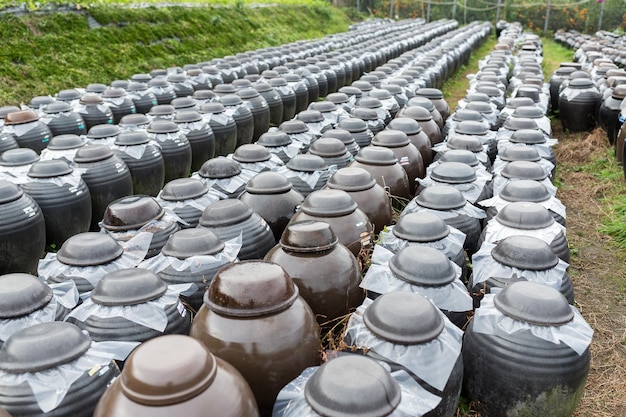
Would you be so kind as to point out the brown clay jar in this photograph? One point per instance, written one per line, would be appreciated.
(384, 167)
(409, 157)
(254, 319)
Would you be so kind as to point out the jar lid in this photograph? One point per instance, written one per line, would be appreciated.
(477, 96)
(141, 78)
(103, 131)
(467, 115)
(197, 241)
(519, 153)
(187, 116)
(223, 89)
(403, 317)
(20, 117)
(441, 197)
(308, 236)
(178, 377)
(274, 138)
(212, 108)
(619, 92)
(248, 93)
(376, 155)
(177, 78)
(528, 136)
(43, 346)
(268, 183)
(57, 107)
(534, 303)
(250, 289)
(262, 87)
(525, 190)
(135, 119)
(491, 91)
(225, 212)
(49, 169)
(136, 86)
(18, 157)
(89, 248)
(525, 215)
(158, 82)
(307, 163)
(525, 252)
(460, 155)
(465, 142)
(391, 88)
(338, 98)
(328, 147)
(310, 116)
(405, 124)
(481, 107)
(91, 98)
(351, 179)
(278, 82)
(417, 113)
(131, 212)
(68, 95)
(96, 88)
(391, 138)
(334, 388)
(328, 203)
(421, 226)
(369, 102)
(351, 90)
(380, 94)
(113, 93)
(453, 173)
(162, 110)
(183, 189)
(363, 85)
(251, 153)
(519, 123)
(203, 95)
(580, 83)
(516, 102)
(524, 170)
(231, 100)
(292, 127)
(323, 106)
(220, 167)
(36, 102)
(127, 287)
(162, 127)
(352, 124)
(364, 113)
(470, 127)
(21, 294)
(531, 112)
(422, 265)
(419, 101)
(132, 138)
(431, 93)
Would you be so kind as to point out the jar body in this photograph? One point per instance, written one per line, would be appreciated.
(275, 209)
(147, 172)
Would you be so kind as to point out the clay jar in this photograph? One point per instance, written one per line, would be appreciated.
(242, 116)
(254, 319)
(224, 175)
(229, 218)
(274, 102)
(336, 207)
(272, 196)
(578, 104)
(154, 383)
(303, 167)
(106, 176)
(187, 197)
(63, 120)
(223, 126)
(416, 135)
(93, 110)
(436, 96)
(64, 199)
(425, 120)
(345, 137)
(325, 271)
(332, 150)
(358, 129)
(199, 134)
(384, 167)
(369, 196)
(27, 130)
(260, 111)
(280, 144)
(144, 161)
(409, 158)
(175, 148)
(119, 103)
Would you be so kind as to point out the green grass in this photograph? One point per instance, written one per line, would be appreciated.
(558, 53)
(42, 4)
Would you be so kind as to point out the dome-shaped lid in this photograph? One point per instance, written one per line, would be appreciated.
(418, 113)
(467, 115)
(89, 248)
(419, 101)
(91, 99)
(275, 138)
(328, 203)
(43, 346)
(18, 157)
(460, 155)
(334, 389)
(203, 95)
(519, 153)
(158, 82)
(376, 155)
(363, 85)
(369, 102)
(310, 116)
(525, 215)
(471, 127)
(187, 116)
(491, 91)
(453, 173)
(431, 93)
(231, 100)
(421, 226)
(364, 113)
(114, 93)
(213, 108)
(323, 106)
(20, 117)
(162, 110)
(328, 147)
(534, 303)
(351, 90)
(341, 134)
(406, 125)
(477, 96)
(49, 169)
(441, 197)
(36, 102)
(97, 88)
(278, 82)
(422, 265)
(250, 289)
(183, 189)
(225, 212)
(132, 138)
(528, 136)
(308, 236)
(127, 287)
(519, 123)
(352, 124)
(68, 94)
(136, 86)
(580, 83)
(198, 241)
(525, 190)
(403, 317)
(262, 87)
(57, 107)
(525, 252)
(268, 182)
(338, 98)
(251, 153)
(524, 170)
(465, 142)
(21, 294)
(223, 89)
(220, 167)
(619, 92)
(135, 119)
(162, 127)
(293, 127)
(530, 112)
(248, 93)
(178, 377)
(131, 212)
(141, 78)
(380, 94)
(516, 102)
(103, 131)
(307, 163)
(391, 88)
(177, 78)
(391, 138)
(351, 179)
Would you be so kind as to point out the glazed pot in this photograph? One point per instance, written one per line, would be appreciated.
(223, 126)
(175, 148)
(420, 101)
(119, 103)
(224, 176)
(144, 161)
(299, 133)
(345, 137)
(142, 97)
(254, 319)
(578, 104)
(332, 150)
(255, 158)
(199, 134)
(384, 167)
(260, 111)
(106, 176)
(63, 120)
(187, 197)
(280, 144)
(307, 173)
(557, 78)
(181, 85)
(94, 111)
(416, 135)
(436, 96)
(300, 88)
(156, 384)
(162, 90)
(104, 134)
(287, 96)
(27, 130)
(608, 115)
(409, 157)
(274, 102)
(358, 129)
(239, 111)
(425, 120)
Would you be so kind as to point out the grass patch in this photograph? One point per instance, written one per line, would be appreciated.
(552, 60)
(45, 4)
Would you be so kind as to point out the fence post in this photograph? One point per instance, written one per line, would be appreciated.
(465, 12)
(498, 11)
(601, 14)
(428, 12)
(454, 10)
(391, 9)
(545, 25)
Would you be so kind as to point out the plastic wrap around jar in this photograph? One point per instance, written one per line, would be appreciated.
(256, 158)
(156, 383)
(325, 271)
(383, 164)
(512, 347)
(299, 133)
(144, 160)
(27, 130)
(473, 184)
(224, 177)
(410, 333)
(523, 170)
(280, 144)
(54, 369)
(307, 173)
(254, 319)
(187, 198)
(15, 164)
(175, 148)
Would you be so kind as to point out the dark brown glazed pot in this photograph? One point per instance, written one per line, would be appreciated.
(416, 135)
(175, 148)
(436, 96)
(326, 272)
(184, 191)
(358, 129)
(425, 120)
(254, 319)
(383, 164)
(36, 138)
(332, 150)
(409, 157)
(306, 164)
(199, 134)
(154, 383)
(147, 171)
(336, 207)
(366, 193)
(272, 196)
